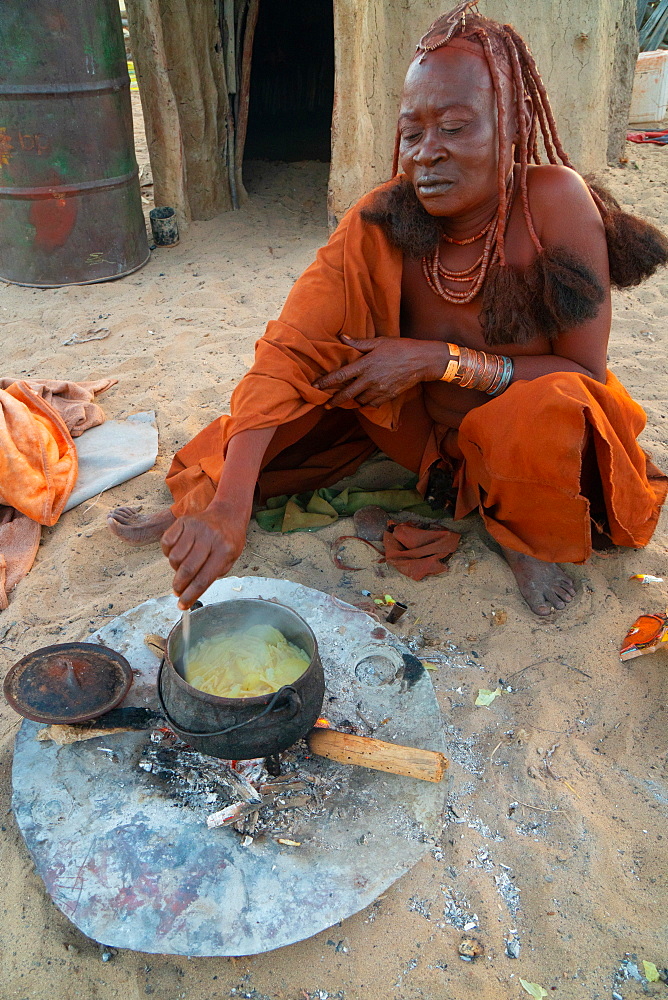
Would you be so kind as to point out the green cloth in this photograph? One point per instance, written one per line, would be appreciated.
(310, 511)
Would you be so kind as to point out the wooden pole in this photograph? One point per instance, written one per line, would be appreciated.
(230, 52)
(244, 90)
(427, 765)
(195, 63)
(161, 116)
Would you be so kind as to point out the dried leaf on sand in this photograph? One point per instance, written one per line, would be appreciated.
(533, 989)
(651, 972)
(486, 697)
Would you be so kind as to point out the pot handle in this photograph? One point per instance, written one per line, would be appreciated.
(293, 703)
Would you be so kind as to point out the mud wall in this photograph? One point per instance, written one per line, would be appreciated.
(585, 52)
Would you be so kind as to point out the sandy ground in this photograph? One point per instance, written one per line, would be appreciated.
(571, 854)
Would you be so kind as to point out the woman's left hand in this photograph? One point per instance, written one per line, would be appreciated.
(388, 367)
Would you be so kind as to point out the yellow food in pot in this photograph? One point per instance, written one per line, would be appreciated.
(245, 664)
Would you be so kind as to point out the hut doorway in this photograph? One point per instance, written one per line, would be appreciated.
(292, 82)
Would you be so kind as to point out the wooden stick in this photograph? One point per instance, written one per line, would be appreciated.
(244, 89)
(428, 765)
(230, 814)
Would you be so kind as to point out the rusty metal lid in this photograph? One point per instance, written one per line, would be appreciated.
(68, 683)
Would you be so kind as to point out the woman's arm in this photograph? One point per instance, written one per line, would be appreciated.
(241, 469)
(203, 547)
(566, 218)
(389, 367)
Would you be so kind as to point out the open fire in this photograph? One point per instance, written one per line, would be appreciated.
(278, 795)
(257, 798)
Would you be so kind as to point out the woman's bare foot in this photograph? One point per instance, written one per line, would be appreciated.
(139, 529)
(543, 585)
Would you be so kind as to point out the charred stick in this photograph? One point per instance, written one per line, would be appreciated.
(269, 787)
(294, 803)
(230, 814)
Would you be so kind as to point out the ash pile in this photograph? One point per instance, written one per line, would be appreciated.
(278, 797)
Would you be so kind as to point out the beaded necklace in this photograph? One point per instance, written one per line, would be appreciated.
(471, 239)
(475, 275)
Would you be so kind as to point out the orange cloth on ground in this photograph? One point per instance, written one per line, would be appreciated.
(523, 450)
(418, 551)
(38, 462)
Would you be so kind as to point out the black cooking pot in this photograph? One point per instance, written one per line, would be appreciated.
(241, 728)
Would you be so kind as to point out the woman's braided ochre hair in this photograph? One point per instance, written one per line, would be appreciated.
(501, 43)
(557, 291)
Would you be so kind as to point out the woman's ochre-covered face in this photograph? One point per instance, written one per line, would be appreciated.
(448, 132)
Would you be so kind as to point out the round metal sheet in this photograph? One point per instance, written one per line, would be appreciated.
(68, 683)
(133, 868)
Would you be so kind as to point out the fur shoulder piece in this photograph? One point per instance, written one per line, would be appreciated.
(406, 224)
(554, 293)
(636, 248)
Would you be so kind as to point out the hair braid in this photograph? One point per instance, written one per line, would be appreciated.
(533, 140)
(545, 111)
(502, 132)
(541, 119)
(543, 99)
(524, 137)
(395, 155)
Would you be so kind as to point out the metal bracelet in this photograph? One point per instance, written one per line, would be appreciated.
(508, 369)
(498, 378)
(452, 367)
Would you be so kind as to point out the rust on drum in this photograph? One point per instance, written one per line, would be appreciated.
(70, 202)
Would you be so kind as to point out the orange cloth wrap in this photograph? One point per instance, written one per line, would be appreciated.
(522, 451)
(525, 475)
(339, 293)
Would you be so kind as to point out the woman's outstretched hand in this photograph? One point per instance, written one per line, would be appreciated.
(201, 548)
(388, 367)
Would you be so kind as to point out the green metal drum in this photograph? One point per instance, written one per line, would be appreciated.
(70, 203)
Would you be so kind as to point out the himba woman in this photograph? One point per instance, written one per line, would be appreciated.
(458, 319)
